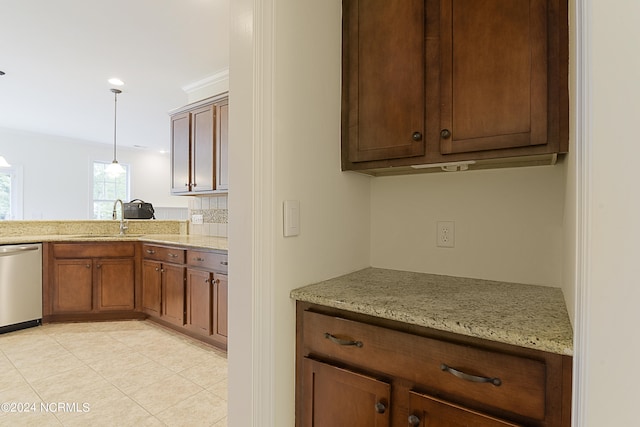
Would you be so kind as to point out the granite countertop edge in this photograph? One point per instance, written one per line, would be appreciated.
(529, 316)
(186, 240)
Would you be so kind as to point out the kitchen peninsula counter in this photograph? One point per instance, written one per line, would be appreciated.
(155, 231)
(523, 315)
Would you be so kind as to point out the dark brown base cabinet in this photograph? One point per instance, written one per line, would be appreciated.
(358, 370)
(207, 287)
(183, 289)
(186, 290)
(90, 280)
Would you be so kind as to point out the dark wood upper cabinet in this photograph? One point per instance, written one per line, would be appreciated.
(383, 79)
(436, 81)
(493, 74)
(199, 147)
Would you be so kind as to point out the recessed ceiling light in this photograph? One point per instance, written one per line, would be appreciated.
(116, 82)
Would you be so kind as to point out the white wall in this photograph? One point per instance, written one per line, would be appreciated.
(285, 130)
(57, 171)
(612, 346)
(508, 223)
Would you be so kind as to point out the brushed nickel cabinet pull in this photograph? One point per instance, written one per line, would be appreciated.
(173, 255)
(339, 341)
(468, 377)
(151, 251)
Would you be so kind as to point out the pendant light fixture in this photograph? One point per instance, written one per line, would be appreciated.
(115, 169)
(4, 163)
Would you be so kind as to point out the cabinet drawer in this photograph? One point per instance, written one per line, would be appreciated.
(457, 372)
(94, 250)
(209, 260)
(162, 253)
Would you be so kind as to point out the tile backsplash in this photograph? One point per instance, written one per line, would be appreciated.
(214, 215)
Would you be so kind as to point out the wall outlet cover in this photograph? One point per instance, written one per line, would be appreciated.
(446, 236)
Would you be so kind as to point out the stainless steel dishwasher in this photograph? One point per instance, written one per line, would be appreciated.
(20, 286)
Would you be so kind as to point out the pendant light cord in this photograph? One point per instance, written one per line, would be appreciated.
(115, 120)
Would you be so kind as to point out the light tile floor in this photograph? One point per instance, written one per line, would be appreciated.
(129, 373)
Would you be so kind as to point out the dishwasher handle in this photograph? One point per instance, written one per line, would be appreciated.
(14, 250)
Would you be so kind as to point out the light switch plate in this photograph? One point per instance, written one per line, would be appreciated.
(197, 219)
(291, 214)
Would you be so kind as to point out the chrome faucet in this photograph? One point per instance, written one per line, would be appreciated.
(123, 224)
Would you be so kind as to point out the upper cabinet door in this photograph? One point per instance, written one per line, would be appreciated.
(203, 122)
(493, 71)
(180, 153)
(383, 109)
(222, 147)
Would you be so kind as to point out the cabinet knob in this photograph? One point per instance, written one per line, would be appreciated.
(224, 262)
(157, 269)
(417, 136)
(217, 281)
(98, 266)
(445, 133)
(414, 421)
(380, 408)
(88, 265)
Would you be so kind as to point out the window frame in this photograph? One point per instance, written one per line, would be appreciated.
(16, 202)
(92, 183)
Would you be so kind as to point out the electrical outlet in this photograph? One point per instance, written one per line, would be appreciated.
(446, 236)
(197, 219)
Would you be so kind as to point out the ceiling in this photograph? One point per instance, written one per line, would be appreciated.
(58, 55)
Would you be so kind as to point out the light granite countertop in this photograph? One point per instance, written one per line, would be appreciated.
(524, 315)
(187, 240)
(155, 231)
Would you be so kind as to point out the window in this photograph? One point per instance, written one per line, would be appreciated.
(107, 189)
(11, 193)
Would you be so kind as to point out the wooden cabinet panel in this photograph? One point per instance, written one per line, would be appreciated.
(92, 278)
(180, 153)
(192, 290)
(338, 397)
(94, 250)
(493, 74)
(173, 293)
(202, 150)
(199, 147)
(72, 286)
(151, 287)
(164, 253)
(220, 304)
(522, 381)
(208, 260)
(115, 284)
(199, 298)
(429, 411)
(439, 379)
(483, 81)
(383, 79)
(222, 148)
